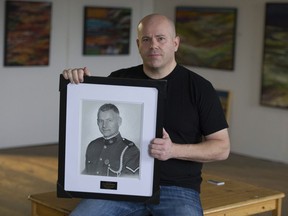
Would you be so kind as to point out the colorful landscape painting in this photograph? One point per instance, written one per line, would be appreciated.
(274, 91)
(106, 31)
(225, 99)
(207, 36)
(27, 33)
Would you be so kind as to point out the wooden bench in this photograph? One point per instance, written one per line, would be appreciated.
(231, 199)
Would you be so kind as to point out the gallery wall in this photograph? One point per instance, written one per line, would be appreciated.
(255, 130)
(30, 98)
(29, 95)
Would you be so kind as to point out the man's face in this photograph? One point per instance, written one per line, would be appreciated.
(108, 123)
(157, 43)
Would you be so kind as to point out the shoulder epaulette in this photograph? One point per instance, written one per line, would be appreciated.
(128, 142)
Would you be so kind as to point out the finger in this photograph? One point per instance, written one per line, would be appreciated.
(155, 153)
(77, 75)
(83, 72)
(157, 141)
(86, 71)
(65, 74)
(157, 146)
(69, 75)
(80, 75)
(158, 155)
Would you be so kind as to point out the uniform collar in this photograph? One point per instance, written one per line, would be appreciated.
(111, 139)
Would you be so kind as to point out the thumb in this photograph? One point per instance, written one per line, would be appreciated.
(165, 134)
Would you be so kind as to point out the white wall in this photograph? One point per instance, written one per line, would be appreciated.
(255, 130)
(30, 98)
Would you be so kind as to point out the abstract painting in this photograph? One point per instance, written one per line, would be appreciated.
(207, 36)
(274, 89)
(27, 33)
(106, 31)
(225, 100)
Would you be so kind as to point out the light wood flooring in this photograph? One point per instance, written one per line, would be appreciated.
(31, 170)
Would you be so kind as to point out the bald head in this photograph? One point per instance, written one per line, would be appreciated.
(157, 19)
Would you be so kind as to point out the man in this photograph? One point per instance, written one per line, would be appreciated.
(195, 129)
(111, 155)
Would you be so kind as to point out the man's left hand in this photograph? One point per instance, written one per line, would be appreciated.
(161, 148)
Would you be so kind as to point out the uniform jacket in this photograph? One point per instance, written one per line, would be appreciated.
(112, 157)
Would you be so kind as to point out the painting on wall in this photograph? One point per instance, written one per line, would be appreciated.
(27, 33)
(274, 88)
(207, 36)
(106, 31)
(225, 99)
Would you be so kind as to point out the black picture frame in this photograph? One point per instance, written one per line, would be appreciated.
(147, 96)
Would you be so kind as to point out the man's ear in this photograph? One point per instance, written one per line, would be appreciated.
(176, 42)
(119, 120)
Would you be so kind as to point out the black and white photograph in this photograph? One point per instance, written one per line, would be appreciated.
(114, 132)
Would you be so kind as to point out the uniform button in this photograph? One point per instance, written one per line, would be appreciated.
(100, 159)
(106, 161)
(105, 146)
(97, 173)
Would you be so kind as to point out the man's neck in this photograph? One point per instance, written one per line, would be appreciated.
(159, 73)
(110, 137)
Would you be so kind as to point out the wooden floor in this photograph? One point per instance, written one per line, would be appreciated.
(31, 170)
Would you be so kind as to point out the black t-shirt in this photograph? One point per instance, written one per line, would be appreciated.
(192, 110)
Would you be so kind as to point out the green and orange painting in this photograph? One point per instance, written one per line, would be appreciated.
(27, 33)
(274, 89)
(207, 36)
(107, 31)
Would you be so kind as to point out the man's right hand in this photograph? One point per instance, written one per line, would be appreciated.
(76, 75)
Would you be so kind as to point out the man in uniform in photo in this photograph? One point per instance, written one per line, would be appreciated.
(111, 155)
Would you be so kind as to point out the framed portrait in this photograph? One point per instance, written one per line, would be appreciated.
(105, 127)
(207, 36)
(107, 31)
(225, 99)
(274, 84)
(27, 33)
